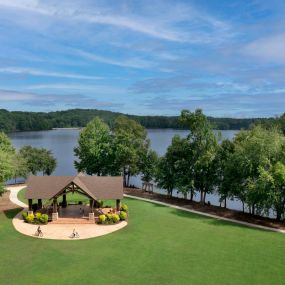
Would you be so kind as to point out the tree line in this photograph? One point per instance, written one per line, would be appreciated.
(35, 121)
(27, 160)
(251, 168)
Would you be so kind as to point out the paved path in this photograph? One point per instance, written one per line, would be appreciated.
(206, 214)
(58, 231)
(14, 190)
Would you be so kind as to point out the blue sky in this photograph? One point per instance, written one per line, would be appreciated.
(144, 57)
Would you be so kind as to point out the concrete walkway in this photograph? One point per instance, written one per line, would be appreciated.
(58, 231)
(14, 190)
(206, 214)
(64, 231)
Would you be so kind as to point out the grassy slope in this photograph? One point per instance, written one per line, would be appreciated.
(160, 246)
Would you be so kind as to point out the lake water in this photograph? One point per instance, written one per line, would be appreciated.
(62, 142)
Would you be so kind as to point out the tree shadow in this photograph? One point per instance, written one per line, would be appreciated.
(10, 214)
(214, 221)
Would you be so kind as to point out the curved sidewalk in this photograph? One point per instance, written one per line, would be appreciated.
(14, 190)
(206, 214)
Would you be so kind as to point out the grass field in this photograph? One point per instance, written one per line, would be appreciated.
(159, 246)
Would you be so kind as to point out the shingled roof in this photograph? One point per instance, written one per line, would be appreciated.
(96, 187)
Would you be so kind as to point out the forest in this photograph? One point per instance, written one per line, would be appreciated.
(14, 121)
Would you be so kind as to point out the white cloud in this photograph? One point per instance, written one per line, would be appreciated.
(52, 100)
(164, 26)
(270, 49)
(38, 72)
(133, 62)
(99, 89)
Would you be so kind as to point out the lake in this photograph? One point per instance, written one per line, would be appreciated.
(62, 142)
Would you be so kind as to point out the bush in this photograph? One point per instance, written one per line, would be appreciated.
(24, 215)
(30, 218)
(102, 219)
(123, 215)
(124, 208)
(109, 217)
(44, 218)
(38, 216)
(115, 218)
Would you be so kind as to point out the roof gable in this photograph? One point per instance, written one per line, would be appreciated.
(96, 187)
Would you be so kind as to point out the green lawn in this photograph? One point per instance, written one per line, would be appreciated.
(159, 246)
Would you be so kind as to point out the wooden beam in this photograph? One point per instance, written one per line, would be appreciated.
(30, 204)
(91, 205)
(118, 204)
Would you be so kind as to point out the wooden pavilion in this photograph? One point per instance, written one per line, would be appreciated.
(94, 187)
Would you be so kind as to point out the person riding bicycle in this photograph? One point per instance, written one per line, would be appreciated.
(39, 232)
(74, 234)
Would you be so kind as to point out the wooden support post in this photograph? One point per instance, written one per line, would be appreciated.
(54, 210)
(64, 202)
(40, 204)
(118, 205)
(30, 204)
(91, 205)
(54, 205)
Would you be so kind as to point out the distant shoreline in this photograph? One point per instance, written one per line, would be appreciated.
(71, 128)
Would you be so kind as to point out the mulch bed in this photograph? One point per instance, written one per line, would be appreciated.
(5, 203)
(210, 209)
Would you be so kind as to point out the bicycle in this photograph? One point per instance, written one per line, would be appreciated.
(74, 234)
(39, 232)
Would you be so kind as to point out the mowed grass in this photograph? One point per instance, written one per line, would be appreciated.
(159, 246)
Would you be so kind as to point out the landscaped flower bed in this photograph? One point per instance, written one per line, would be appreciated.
(110, 219)
(35, 219)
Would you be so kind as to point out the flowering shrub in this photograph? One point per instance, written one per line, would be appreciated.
(124, 208)
(115, 218)
(109, 219)
(102, 219)
(35, 219)
(44, 218)
(123, 215)
(30, 218)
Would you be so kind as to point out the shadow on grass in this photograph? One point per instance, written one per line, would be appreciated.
(10, 214)
(214, 221)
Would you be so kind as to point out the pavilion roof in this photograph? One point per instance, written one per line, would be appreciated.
(96, 187)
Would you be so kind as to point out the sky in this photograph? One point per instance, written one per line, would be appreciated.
(144, 57)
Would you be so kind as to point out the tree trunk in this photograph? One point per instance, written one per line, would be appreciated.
(192, 195)
(253, 209)
(204, 198)
(128, 180)
(201, 197)
(242, 206)
(185, 195)
(225, 203)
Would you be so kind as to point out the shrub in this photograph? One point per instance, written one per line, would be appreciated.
(109, 217)
(123, 215)
(24, 215)
(38, 216)
(44, 218)
(115, 218)
(30, 218)
(124, 208)
(102, 219)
